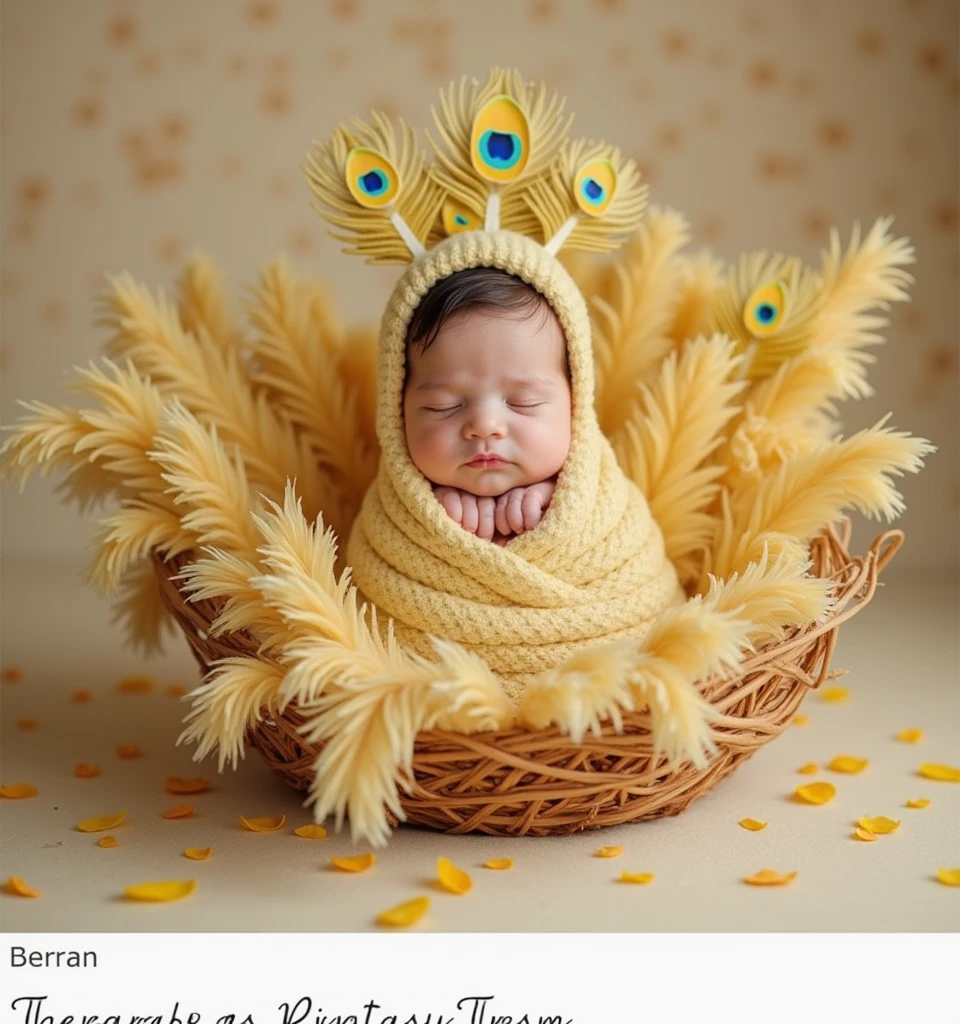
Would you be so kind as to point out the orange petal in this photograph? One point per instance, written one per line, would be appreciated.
(311, 832)
(12, 674)
(181, 787)
(949, 876)
(180, 811)
(910, 735)
(769, 877)
(867, 837)
(102, 824)
(801, 719)
(810, 768)
(816, 792)
(752, 825)
(609, 851)
(452, 878)
(940, 772)
(128, 750)
(175, 690)
(135, 684)
(263, 824)
(919, 802)
(27, 724)
(354, 864)
(81, 696)
(108, 842)
(18, 791)
(834, 694)
(198, 852)
(160, 892)
(86, 771)
(848, 764)
(16, 886)
(879, 826)
(405, 914)
(635, 879)
(499, 864)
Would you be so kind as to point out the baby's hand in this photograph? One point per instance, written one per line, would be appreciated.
(522, 508)
(474, 514)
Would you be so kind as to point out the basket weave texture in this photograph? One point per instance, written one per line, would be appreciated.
(539, 782)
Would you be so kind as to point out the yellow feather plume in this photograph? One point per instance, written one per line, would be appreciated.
(701, 279)
(203, 306)
(630, 338)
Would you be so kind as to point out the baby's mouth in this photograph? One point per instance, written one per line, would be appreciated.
(486, 461)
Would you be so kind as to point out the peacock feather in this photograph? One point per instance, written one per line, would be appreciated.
(373, 186)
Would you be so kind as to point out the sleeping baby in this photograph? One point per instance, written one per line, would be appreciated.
(487, 403)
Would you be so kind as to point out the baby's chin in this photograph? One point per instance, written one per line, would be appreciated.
(490, 482)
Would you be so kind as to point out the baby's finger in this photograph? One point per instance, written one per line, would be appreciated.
(485, 516)
(500, 515)
(515, 510)
(450, 499)
(470, 513)
(532, 507)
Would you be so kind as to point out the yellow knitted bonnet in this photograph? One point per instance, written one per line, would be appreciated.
(594, 569)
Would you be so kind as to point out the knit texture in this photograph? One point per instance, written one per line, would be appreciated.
(593, 569)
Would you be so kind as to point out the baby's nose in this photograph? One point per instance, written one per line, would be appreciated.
(484, 423)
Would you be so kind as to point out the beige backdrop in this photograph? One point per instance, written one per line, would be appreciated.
(134, 132)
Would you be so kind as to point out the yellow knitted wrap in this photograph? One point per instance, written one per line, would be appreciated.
(593, 570)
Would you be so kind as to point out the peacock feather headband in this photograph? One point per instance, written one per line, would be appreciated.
(502, 161)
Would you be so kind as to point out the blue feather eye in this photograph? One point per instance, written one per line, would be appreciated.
(765, 310)
(594, 187)
(456, 218)
(373, 181)
(500, 140)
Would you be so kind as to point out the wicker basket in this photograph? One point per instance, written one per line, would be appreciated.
(519, 782)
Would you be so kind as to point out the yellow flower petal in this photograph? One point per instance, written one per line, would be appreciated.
(848, 764)
(452, 878)
(609, 851)
(263, 824)
(910, 735)
(27, 724)
(180, 811)
(311, 832)
(810, 768)
(752, 825)
(198, 852)
(108, 842)
(801, 719)
(16, 886)
(128, 750)
(920, 802)
(135, 684)
(160, 892)
(499, 864)
(182, 787)
(354, 864)
(634, 878)
(867, 837)
(81, 696)
(834, 694)
(940, 772)
(405, 914)
(949, 876)
(816, 792)
(770, 877)
(101, 824)
(879, 826)
(86, 771)
(18, 791)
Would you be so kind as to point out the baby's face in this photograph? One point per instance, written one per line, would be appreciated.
(489, 383)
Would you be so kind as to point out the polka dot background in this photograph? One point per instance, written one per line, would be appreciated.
(136, 131)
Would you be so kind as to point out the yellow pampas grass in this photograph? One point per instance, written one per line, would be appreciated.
(790, 506)
(203, 307)
(669, 435)
(631, 331)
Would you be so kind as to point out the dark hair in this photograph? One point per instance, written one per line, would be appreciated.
(486, 288)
